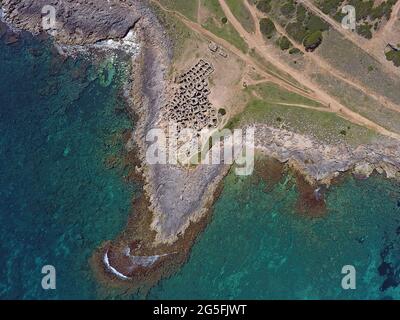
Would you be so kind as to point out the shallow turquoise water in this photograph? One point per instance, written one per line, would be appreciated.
(258, 247)
(58, 201)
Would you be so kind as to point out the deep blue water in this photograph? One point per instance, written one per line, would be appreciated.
(59, 200)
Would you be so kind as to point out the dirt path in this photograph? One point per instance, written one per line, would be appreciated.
(198, 11)
(258, 43)
(375, 51)
(255, 18)
(259, 67)
(387, 33)
(323, 64)
(389, 25)
(299, 105)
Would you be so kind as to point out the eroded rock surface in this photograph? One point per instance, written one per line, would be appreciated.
(77, 21)
(321, 162)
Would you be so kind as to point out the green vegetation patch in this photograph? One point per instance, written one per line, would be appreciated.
(330, 6)
(241, 13)
(365, 30)
(315, 23)
(288, 9)
(324, 126)
(301, 14)
(313, 40)
(273, 93)
(223, 30)
(305, 27)
(284, 43)
(297, 31)
(267, 27)
(177, 30)
(368, 13)
(264, 5)
(394, 56)
(363, 8)
(187, 8)
(294, 51)
(222, 111)
(383, 10)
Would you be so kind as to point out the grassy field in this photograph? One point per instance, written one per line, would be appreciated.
(275, 94)
(187, 7)
(360, 103)
(218, 24)
(271, 69)
(242, 14)
(324, 126)
(177, 30)
(349, 59)
(215, 20)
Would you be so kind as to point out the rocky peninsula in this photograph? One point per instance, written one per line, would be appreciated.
(177, 200)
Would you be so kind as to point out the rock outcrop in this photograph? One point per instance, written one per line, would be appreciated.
(76, 21)
(321, 162)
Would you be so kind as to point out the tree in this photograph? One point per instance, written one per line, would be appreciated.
(267, 27)
(312, 40)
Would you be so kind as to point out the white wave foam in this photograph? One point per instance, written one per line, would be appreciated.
(112, 269)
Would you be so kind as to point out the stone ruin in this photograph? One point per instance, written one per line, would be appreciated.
(214, 48)
(189, 107)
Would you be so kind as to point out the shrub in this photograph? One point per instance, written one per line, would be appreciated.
(378, 12)
(339, 16)
(301, 14)
(267, 27)
(294, 51)
(315, 23)
(330, 6)
(297, 31)
(365, 30)
(393, 56)
(313, 40)
(288, 9)
(363, 8)
(284, 43)
(264, 5)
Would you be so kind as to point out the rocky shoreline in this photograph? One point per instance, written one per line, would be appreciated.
(76, 22)
(162, 236)
(177, 201)
(320, 163)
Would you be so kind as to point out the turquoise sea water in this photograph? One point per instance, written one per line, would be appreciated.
(59, 202)
(258, 247)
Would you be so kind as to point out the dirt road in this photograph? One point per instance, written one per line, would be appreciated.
(256, 42)
(375, 51)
